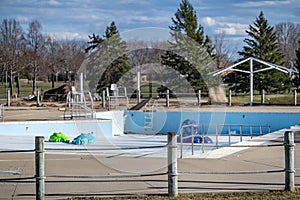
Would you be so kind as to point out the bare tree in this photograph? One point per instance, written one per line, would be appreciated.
(11, 37)
(288, 35)
(225, 50)
(72, 55)
(53, 58)
(36, 43)
(63, 56)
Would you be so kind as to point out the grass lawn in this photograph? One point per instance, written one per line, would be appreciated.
(213, 196)
(273, 99)
(26, 88)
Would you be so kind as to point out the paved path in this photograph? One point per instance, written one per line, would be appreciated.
(119, 173)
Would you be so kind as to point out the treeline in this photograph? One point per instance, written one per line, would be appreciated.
(33, 55)
(36, 56)
(279, 45)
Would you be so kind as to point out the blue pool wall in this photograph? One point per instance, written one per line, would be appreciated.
(164, 122)
(101, 128)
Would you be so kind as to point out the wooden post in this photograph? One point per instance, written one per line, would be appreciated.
(172, 165)
(39, 167)
(289, 161)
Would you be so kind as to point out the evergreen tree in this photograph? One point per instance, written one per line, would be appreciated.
(262, 44)
(185, 22)
(109, 59)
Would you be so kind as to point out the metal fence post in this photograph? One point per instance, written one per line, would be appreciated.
(168, 99)
(172, 165)
(39, 167)
(2, 112)
(295, 97)
(38, 99)
(229, 98)
(8, 98)
(199, 97)
(262, 97)
(103, 99)
(193, 136)
(289, 160)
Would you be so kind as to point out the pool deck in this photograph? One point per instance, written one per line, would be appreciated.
(34, 113)
(113, 174)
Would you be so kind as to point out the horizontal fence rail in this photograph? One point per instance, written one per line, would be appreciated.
(105, 149)
(17, 151)
(110, 176)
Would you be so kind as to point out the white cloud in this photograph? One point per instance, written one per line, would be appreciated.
(248, 4)
(227, 31)
(23, 19)
(68, 35)
(209, 21)
(54, 3)
(231, 28)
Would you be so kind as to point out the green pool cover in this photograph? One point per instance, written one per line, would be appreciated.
(59, 137)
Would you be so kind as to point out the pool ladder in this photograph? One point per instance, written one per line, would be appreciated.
(148, 115)
(78, 107)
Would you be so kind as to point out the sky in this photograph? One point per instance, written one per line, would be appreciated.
(76, 19)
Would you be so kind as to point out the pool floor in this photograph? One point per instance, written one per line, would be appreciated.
(119, 146)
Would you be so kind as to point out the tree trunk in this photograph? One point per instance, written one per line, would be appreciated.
(53, 79)
(18, 84)
(11, 81)
(34, 80)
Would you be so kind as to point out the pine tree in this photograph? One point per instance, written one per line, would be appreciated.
(108, 57)
(185, 22)
(262, 44)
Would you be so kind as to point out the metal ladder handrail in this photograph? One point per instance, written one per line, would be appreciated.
(217, 133)
(77, 103)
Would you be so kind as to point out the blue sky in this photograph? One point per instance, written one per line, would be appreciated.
(80, 18)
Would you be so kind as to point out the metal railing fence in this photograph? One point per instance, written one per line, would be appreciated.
(172, 171)
(203, 130)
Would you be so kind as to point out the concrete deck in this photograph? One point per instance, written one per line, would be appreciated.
(34, 113)
(110, 174)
